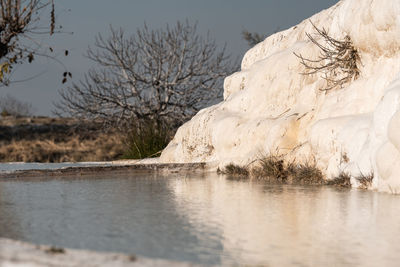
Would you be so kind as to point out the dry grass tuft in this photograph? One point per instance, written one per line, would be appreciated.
(55, 250)
(233, 169)
(103, 148)
(365, 181)
(343, 180)
(272, 167)
(305, 174)
(56, 140)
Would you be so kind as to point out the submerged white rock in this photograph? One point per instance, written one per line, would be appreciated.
(269, 107)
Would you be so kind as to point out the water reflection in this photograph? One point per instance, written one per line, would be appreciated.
(8, 210)
(125, 213)
(287, 225)
(205, 219)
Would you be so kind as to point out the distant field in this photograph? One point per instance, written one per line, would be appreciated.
(43, 139)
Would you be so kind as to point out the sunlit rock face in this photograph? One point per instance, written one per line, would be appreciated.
(270, 107)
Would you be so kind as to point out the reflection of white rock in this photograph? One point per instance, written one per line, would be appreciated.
(290, 226)
(269, 107)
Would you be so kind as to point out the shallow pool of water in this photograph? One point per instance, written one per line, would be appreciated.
(205, 219)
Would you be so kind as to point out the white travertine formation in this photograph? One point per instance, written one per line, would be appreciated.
(269, 107)
(21, 254)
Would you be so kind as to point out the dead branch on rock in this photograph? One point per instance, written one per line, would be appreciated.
(337, 61)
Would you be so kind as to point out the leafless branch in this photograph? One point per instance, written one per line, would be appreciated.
(337, 61)
(253, 38)
(19, 19)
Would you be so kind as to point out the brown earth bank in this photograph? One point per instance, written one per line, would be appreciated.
(45, 139)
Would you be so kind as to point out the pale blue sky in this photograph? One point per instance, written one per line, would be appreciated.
(225, 19)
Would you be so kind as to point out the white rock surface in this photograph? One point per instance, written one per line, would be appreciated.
(21, 254)
(269, 107)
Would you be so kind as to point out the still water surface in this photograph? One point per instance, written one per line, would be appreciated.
(205, 219)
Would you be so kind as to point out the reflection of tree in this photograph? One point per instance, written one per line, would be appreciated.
(132, 213)
(145, 206)
(9, 221)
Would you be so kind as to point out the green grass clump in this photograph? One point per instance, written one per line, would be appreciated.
(146, 140)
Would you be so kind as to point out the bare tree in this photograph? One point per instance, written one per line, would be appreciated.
(10, 105)
(337, 61)
(165, 75)
(253, 38)
(20, 21)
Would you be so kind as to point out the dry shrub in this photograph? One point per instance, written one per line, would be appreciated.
(337, 61)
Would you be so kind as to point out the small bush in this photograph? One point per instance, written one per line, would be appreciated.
(343, 180)
(147, 139)
(365, 181)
